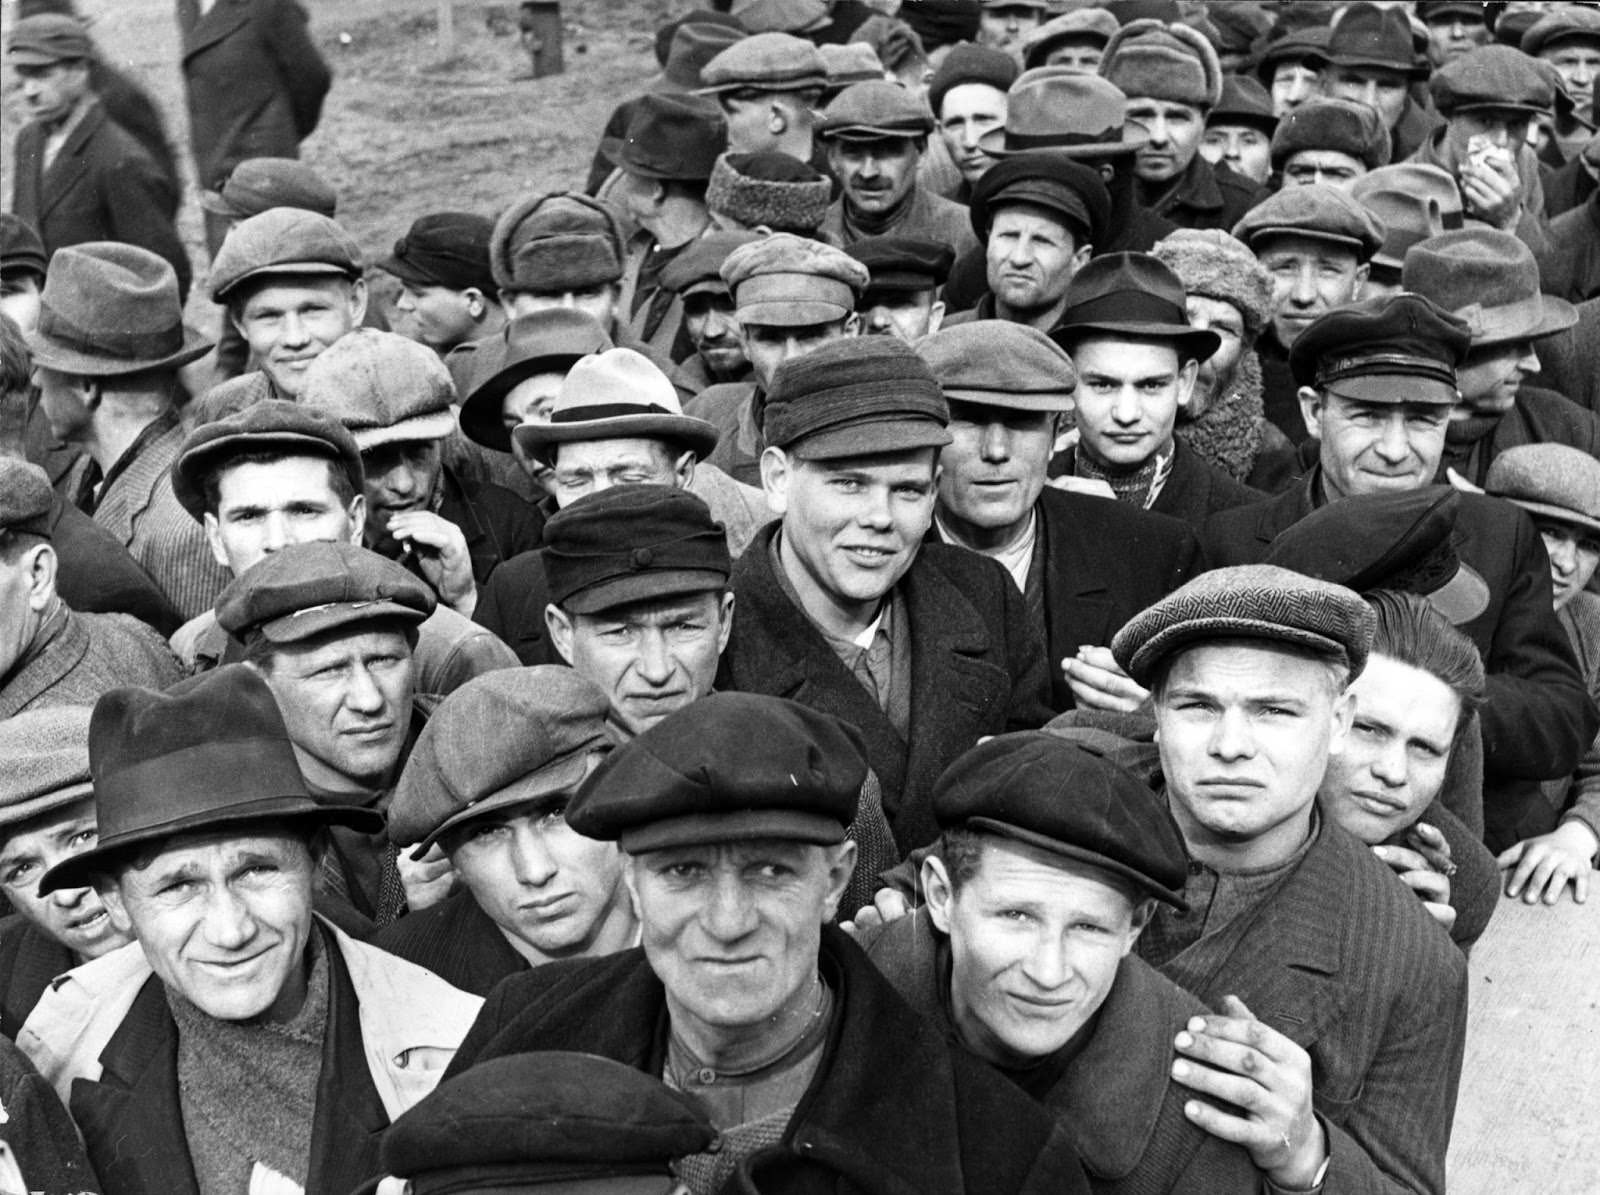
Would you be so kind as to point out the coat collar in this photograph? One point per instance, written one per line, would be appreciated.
(225, 17)
(63, 642)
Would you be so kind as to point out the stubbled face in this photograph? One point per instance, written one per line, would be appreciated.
(1309, 277)
(1128, 396)
(65, 405)
(713, 329)
(264, 507)
(1373, 447)
(1242, 148)
(1384, 91)
(437, 316)
(968, 112)
(992, 471)
(908, 314)
(289, 320)
(1031, 257)
(1574, 553)
(877, 176)
(1490, 378)
(585, 467)
(1393, 762)
(1452, 34)
(399, 478)
(769, 345)
(74, 917)
(1172, 134)
(531, 401)
(1217, 371)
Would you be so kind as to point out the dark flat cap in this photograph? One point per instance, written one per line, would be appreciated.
(1570, 22)
(903, 263)
(1066, 798)
(25, 497)
(1493, 77)
(269, 426)
(1399, 541)
(47, 762)
(692, 778)
(1131, 294)
(943, 22)
(1395, 348)
(21, 250)
(501, 739)
(445, 249)
(1071, 190)
(48, 38)
(968, 63)
(211, 751)
(1556, 481)
(305, 589)
(875, 111)
(531, 1121)
(998, 363)
(259, 184)
(1249, 601)
(855, 396)
(1319, 212)
(633, 542)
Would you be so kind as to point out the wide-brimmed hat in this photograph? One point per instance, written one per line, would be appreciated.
(1076, 115)
(110, 309)
(1131, 294)
(210, 751)
(544, 341)
(1490, 279)
(614, 395)
(670, 137)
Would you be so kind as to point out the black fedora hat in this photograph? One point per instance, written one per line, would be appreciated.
(1131, 294)
(546, 341)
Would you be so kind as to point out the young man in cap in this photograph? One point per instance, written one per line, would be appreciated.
(742, 996)
(1290, 67)
(768, 86)
(1239, 130)
(1378, 383)
(967, 95)
(1568, 38)
(1074, 40)
(1329, 141)
(106, 357)
(1455, 27)
(245, 1041)
(447, 292)
(842, 602)
(904, 277)
(1024, 954)
(709, 322)
(1084, 565)
(1005, 23)
(1370, 58)
(80, 176)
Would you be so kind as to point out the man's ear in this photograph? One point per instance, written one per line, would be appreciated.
(358, 518)
(1143, 913)
(358, 302)
(559, 623)
(41, 572)
(1186, 380)
(852, 324)
(1362, 270)
(1081, 256)
(841, 866)
(683, 470)
(725, 628)
(1312, 404)
(213, 530)
(935, 317)
(938, 891)
(776, 472)
(111, 897)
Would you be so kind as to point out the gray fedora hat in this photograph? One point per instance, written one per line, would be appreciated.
(1490, 279)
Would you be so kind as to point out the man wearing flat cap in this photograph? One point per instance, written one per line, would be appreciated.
(1568, 38)
(1455, 27)
(925, 647)
(1057, 1000)
(709, 323)
(243, 1041)
(1084, 565)
(1378, 383)
(768, 86)
(741, 995)
(1370, 57)
(447, 292)
(902, 295)
(1318, 959)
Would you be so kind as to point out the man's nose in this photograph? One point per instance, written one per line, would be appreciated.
(878, 322)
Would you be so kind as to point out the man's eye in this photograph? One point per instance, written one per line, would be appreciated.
(493, 830)
(86, 837)
(15, 875)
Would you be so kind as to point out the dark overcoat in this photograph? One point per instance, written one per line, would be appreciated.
(1539, 417)
(1196, 489)
(456, 940)
(29, 960)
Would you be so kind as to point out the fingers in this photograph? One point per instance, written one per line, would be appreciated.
(1243, 1031)
(1442, 913)
(1401, 858)
(1429, 885)
(890, 904)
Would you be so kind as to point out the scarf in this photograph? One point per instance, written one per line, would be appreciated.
(1138, 486)
(1228, 435)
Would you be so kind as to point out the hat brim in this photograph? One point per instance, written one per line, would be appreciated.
(307, 624)
(1010, 400)
(736, 825)
(52, 354)
(1412, 69)
(539, 440)
(406, 272)
(1530, 319)
(1165, 643)
(792, 313)
(25, 57)
(647, 583)
(615, 151)
(1394, 388)
(1191, 342)
(217, 204)
(435, 425)
(1462, 598)
(869, 133)
(24, 811)
(1549, 510)
(480, 416)
(1077, 854)
(563, 776)
(869, 439)
(1088, 149)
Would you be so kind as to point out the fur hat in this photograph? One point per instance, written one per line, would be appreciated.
(1169, 62)
(1215, 265)
(769, 190)
(556, 242)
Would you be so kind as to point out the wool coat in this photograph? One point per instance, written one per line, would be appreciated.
(925, 216)
(39, 1147)
(891, 1108)
(735, 410)
(1195, 489)
(456, 940)
(29, 960)
(77, 657)
(96, 575)
(1208, 196)
(1539, 417)
(1570, 361)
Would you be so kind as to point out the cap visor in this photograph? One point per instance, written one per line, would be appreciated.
(1394, 387)
(797, 314)
(23, 811)
(563, 776)
(1010, 400)
(1078, 854)
(647, 583)
(215, 203)
(435, 425)
(306, 624)
(997, 148)
(1560, 514)
(741, 825)
(870, 439)
(1462, 598)
(1142, 667)
(1197, 343)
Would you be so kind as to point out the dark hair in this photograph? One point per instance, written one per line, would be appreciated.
(1411, 631)
(961, 850)
(211, 484)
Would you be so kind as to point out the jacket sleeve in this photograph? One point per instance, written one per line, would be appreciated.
(304, 71)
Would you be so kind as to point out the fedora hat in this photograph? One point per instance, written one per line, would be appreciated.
(110, 309)
(1489, 279)
(540, 342)
(210, 751)
(1131, 294)
(669, 137)
(1054, 108)
(617, 394)
(1367, 35)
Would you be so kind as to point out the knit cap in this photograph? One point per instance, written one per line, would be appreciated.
(968, 63)
(1171, 62)
(1212, 264)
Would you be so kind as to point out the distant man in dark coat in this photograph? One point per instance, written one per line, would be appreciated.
(925, 647)
(1084, 565)
(800, 1052)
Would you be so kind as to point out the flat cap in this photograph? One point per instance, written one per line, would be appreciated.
(1571, 21)
(1165, 61)
(535, 1121)
(274, 425)
(554, 243)
(1430, 10)
(968, 63)
(999, 363)
(766, 62)
(769, 191)
(699, 267)
(302, 590)
(1394, 348)
(1556, 481)
(21, 250)
(1065, 797)
(786, 280)
(550, 340)
(903, 263)
(782, 16)
(875, 111)
(384, 387)
(48, 38)
(1248, 601)
(1093, 25)
(692, 778)
(257, 185)
(633, 542)
(448, 249)
(283, 240)
(853, 62)
(501, 739)
(1214, 265)
(854, 396)
(1401, 541)
(25, 497)
(1342, 126)
(1492, 77)
(1319, 212)
(1072, 190)
(47, 762)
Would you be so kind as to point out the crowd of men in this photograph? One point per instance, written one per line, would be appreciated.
(989, 604)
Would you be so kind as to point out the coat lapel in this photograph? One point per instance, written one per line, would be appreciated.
(1077, 602)
(71, 164)
(350, 1116)
(225, 17)
(59, 656)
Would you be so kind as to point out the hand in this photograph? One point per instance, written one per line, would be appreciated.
(888, 904)
(1543, 866)
(1239, 1060)
(441, 552)
(1491, 190)
(427, 880)
(1418, 874)
(1099, 683)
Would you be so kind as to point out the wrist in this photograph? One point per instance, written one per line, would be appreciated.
(1305, 1170)
(1580, 837)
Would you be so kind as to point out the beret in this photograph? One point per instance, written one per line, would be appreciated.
(1248, 601)
(549, 340)
(47, 762)
(501, 739)
(1363, 350)
(21, 250)
(1065, 797)
(874, 111)
(692, 777)
(854, 396)
(1319, 212)
(998, 363)
(769, 191)
(1490, 279)
(766, 62)
(1343, 126)
(903, 263)
(25, 497)
(1072, 190)
(47, 38)
(633, 542)
(258, 184)
(283, 240)
(968, 63)
(302, 590)
(1492, 77)
(1558, 25)
(554, 243)
(699, 266)
(1553, 480)
(1151, 59)
(384, 387)
(939, 23)
(1213, 265)
(445, 249)
(272, 425)
(787, 280)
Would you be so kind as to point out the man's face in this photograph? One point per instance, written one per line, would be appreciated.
(732, 929)
(713, 329)
(74, 917)
(289, 320)
(584, 467)
(1309, 277)
(264, 507)
(552, 891)
(437, 316)
(1574, 554)
(852, 527)
(400, 477)
(531, 401)
(223, 918)
(1242, 148)
(1129, 392)
(1031, 257)
(1245, 730)
(992, 470)
(1329, 166)
(1452, 34)
(1004, 26)
(650, 658)
(1374, 447)
(1384, 91)
(346, 701)
(1504, 128)
(1217, 371)
(20, 299)
(27, 594)
(1035, 942)
(65, 403)
(770, 345)
(1489, 378)
(970, 110)
(1080, 57)
(1173, 132)
(637, 196)
(1577, 61)
(908, 314)
(1293, 83)
(50, 93)
(876, 175)
(599, 303)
